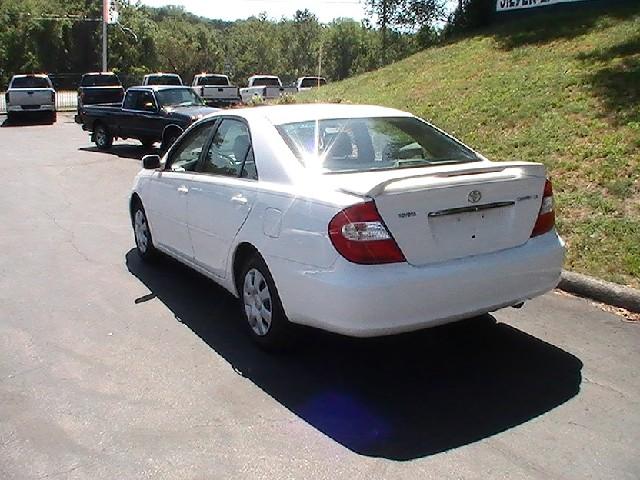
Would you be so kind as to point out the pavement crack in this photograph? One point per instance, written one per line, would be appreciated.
(72, 238)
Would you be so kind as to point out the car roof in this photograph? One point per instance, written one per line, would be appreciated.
(282, 114)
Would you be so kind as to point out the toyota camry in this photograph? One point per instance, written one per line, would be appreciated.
(360, 220)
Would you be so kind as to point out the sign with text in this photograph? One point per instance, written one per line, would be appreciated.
(504, 5)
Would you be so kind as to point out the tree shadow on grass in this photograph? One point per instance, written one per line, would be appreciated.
(617, 81)
(547, 24)
(400, 397)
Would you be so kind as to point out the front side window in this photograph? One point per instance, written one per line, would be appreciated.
(146, 102)
(377, 143)
(229, 150)
(185, 156)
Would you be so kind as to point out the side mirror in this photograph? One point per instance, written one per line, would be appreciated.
(151, 162)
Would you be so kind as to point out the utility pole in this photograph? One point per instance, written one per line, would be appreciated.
(105, 19)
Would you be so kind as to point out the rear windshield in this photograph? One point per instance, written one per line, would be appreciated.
(312, 82)
(213, 81)
(364, 144)
(30, 82)
(164, 80)
(266, 82)
(100, 81)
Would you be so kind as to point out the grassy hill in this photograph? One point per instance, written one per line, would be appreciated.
(563, 90)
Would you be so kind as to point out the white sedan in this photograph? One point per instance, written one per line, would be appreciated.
(360, 220)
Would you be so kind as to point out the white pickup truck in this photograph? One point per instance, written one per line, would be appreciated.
(215, 89)
(30, 93)
(307, 83)
(265, 86)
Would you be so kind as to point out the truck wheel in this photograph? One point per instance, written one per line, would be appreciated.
(102, 137)
(53, 118)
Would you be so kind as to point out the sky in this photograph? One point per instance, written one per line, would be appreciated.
(325, 10)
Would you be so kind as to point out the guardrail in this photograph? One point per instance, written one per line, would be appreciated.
(66, 100)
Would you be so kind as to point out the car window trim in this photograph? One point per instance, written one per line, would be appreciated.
(220, 119)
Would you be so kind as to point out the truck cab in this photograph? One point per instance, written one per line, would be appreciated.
(307, 83)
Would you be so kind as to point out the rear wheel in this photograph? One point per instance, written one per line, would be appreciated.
(53, 117)
(102, 137)
(261, 306)
(142, 234)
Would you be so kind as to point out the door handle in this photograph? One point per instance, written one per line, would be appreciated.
(183, 189)
(239, 199)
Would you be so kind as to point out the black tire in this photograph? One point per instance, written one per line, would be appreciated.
(101, 137)
(279, 333)
(53, 117)
(144, 246)
(169, 139)
(11, 117)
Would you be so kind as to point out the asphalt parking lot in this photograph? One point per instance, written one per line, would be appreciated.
(112, 369)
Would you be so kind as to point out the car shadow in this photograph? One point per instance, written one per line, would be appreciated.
(125, 150)
(401, 397)
(29, 119)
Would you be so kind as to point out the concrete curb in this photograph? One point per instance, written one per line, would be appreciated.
(605, 292)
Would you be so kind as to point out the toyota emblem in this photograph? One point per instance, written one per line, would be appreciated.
(474, 196)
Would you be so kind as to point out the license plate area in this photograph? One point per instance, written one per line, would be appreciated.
(458, 227)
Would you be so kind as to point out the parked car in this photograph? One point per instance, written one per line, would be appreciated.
(162, 79)
(149, 114)
(307, 83)
(265, 86)
(99, 87)
(29, 94)
(215, 89)
(360, 220)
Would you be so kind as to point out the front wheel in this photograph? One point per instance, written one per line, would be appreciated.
(142, 234)
(102, 137)
(262, 308)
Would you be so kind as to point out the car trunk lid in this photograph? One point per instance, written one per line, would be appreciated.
(454, 211)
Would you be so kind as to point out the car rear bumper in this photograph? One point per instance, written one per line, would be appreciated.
(363, 301)
(30, 108)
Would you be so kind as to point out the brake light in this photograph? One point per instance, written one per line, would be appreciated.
(53, 97)
(6, 98)
(359, 235)
(546, 217)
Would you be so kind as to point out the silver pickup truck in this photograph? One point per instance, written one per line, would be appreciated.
(267, 87)
(30, 93)
(215, 89)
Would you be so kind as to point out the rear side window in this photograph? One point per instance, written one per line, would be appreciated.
(363, 144)
(100, 81)
(30, 82)
(131, 99)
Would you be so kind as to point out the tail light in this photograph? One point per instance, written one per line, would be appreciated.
(6, 98)
(53, 97)
(359, 235)
(202, 91)
(546, 217)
